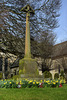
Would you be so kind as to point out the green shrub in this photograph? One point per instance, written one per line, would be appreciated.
(47, 74)
(0, 75)
(15, 77)
(62, 76)
(56, 76)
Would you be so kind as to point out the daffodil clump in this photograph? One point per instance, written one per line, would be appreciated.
(54, 83)
(30, 83)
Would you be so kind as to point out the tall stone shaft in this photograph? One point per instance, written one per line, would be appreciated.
(28, 10)
(27, 37)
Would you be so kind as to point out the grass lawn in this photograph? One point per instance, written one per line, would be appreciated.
(34, 93)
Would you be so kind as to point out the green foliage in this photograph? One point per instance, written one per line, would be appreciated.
(15, 77)
(62, 76)
(47, 74)
(56, 76)
(0, 75)
(37, 72)
(22, 71)
(30, 83)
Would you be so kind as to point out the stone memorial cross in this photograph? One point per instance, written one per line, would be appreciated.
(28, 66)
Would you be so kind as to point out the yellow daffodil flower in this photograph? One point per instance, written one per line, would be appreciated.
(10, 82)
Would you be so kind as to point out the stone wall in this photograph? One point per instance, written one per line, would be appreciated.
(57, 65)
(7, 59)
(14, 71)
(54, 65)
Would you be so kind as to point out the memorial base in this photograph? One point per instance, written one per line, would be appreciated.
(28, 68)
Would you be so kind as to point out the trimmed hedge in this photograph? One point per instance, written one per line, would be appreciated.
(47, 74)
(62, 76)
(1, 75)
(56, 76)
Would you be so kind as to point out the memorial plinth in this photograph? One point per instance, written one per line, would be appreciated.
(27, 65)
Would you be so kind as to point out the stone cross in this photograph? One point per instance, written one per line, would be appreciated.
(28, 10)
(28, 66)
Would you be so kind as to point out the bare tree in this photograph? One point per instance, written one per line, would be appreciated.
(42, 23)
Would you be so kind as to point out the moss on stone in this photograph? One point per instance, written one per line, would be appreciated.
(28, 67)
(37, 72)
(15, 77)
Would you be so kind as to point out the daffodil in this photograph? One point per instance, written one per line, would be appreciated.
(53, 82)
(64, 81)
(10, 82)
(33, 82)
(37, 82)
(41, 80)
(4, 83)
(20, 81)
(57, 81)
(26, 79)
(44, 80)
(16, 82)
(48, 81)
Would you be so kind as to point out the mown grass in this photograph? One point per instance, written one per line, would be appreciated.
(34, 93)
